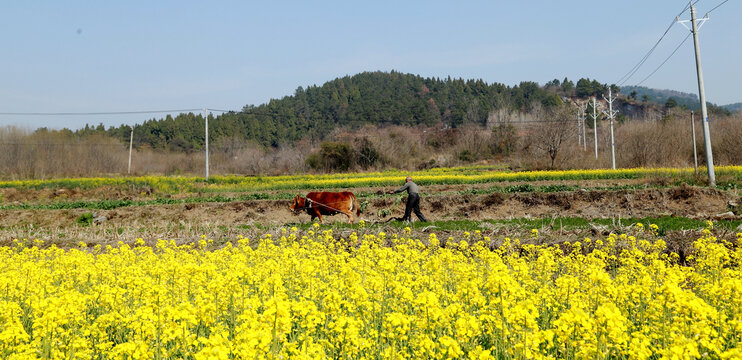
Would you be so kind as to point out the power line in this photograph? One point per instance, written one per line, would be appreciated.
(532, 122)
(722, 3)
(58, 144)
(98, 113)
(668, 58)
(641, 62)
(248, 112)
(679, 45)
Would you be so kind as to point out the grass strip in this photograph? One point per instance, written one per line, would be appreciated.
(113, 204)
(665, 224)
(362, 196)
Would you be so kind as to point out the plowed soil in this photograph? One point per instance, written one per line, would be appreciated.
(187, 222)
(685, 201)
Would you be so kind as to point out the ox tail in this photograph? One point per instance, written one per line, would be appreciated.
(358, 208)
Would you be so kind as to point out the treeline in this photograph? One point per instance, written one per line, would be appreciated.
(375, 98)
(671, 98)
(372, 98)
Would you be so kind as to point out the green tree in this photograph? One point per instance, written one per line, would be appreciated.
(553, 83)
(584, 88)
(567, 85)
(598, 88)
(671, 103)
(378, 98)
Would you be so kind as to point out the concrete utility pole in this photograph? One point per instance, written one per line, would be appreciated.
(579, 131)
(595, 130)
(695, 151)
(206, 119)
(611, 114)
(131, 142)
(701, 93)
(583, 108)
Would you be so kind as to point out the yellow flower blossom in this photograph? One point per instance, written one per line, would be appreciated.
(389, 295)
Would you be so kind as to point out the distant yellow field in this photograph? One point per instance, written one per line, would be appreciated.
(459, 175)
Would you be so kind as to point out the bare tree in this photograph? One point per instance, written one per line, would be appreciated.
(554, 130)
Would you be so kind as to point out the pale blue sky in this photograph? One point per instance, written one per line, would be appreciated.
(96, 56)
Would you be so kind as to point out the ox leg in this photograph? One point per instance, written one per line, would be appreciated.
(350, 218)
(319, 215)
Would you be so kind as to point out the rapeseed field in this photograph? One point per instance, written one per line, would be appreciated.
(437, 176)
(313, 294)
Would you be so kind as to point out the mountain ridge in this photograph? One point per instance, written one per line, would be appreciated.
(377, 98)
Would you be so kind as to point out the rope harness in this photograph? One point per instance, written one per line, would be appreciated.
(393, 218)
(310, 201)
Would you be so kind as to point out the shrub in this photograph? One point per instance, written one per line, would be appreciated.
(85, 219)
(366, 154)
(504, 139)
(333, 156)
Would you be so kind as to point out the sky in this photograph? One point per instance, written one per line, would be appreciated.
(119, 56)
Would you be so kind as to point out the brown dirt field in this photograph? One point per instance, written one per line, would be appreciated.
(174, 220)
(225, 221)
(13, 195)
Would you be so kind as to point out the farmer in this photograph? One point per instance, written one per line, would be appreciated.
(413, 200)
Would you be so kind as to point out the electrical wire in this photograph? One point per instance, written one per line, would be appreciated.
(536, 122)
(641, 62)
(97, 113)
(668, 58)
(717, 6)
(679, 45)
(109, 112)
(60, 144)
(256, 113)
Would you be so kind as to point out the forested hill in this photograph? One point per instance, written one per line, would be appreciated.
(352, 101)
(672, 98)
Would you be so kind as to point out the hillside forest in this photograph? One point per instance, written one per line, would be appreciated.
(378, 120)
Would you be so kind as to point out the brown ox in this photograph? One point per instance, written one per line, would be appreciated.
(317, 204)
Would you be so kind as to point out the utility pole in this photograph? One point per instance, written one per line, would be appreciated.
(579, 131)
(595, 129)
(131, 142)
(611, 114)
(583, 107)
(695, 151)
(206, 119)
(701, 93)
